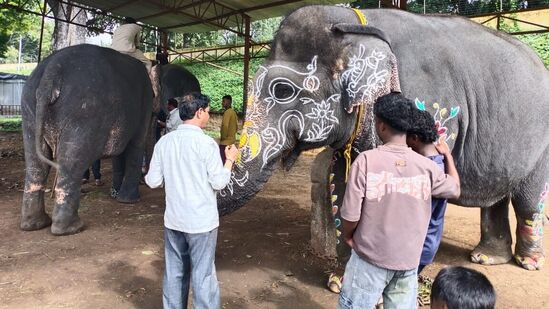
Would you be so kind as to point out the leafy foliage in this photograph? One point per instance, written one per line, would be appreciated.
(10, 124)
(14, 26)
(216, 83)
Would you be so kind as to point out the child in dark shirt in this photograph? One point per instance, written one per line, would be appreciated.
(421, 137)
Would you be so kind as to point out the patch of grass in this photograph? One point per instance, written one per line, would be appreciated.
(217, 134)
(10, 124)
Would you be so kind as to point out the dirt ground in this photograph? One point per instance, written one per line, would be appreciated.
(263, 259)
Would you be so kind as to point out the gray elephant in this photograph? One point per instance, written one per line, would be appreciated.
(173, 81)
(81, 103)
(487, 91)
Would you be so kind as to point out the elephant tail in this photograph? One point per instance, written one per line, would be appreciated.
(47, 93)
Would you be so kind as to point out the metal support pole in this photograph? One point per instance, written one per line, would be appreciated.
(247, 45)
(41, 32)
(164, 39)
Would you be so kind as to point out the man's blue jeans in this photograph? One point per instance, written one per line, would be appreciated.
(364, 283)
(190, 259)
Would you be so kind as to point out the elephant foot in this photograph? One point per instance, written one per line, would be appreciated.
(75, 226)
(530, 262)
(487, 255)
(334, 283)
(127, 201)
(35, 223)
(125, 197)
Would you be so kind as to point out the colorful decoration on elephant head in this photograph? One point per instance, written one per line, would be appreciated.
(250, 143)
(441, 116)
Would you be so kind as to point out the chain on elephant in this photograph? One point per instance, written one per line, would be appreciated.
(337, 185)
(529, 250)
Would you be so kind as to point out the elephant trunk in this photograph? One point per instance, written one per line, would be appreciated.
(246, 181)
(260, 149)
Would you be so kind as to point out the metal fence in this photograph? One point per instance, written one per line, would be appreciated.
(10, 110)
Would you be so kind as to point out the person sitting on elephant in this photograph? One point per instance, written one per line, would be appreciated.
(173, 120)
(187, 162)
(386, 211)
(125, 39)
(421, 137)
(459, 287)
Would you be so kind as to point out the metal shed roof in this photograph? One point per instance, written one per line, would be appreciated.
(199, 15)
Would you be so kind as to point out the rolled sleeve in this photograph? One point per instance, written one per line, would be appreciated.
(351, 209)
(155, 176)
(444, 186)
(218, 176)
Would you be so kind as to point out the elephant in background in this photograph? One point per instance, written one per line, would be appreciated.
(173, 81)
(81, 103)
(486, 90)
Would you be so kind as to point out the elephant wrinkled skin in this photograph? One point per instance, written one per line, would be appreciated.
(487, 91)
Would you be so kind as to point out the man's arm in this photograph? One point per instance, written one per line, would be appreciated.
(446, 185)
(233, 125)
(224, 128)
(219, 175)
(348, 231)
(444, 149)
(351, 209)
(155, 176)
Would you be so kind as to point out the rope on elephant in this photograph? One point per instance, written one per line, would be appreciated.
(349, 146)
(361, 17)
(424, 290)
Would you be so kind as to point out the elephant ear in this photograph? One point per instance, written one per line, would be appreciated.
(371, 67)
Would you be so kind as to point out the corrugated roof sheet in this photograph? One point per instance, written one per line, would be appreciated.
(199, 15)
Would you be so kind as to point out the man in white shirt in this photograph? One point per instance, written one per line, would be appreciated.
(173, 120)
(125, 39)
(187, 161)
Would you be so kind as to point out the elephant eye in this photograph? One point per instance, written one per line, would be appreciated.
(283, 91)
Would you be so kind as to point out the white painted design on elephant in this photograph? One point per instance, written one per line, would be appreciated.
(363, 78)
(309, 82)
(238, 181)
(275, 138)
(323, 115)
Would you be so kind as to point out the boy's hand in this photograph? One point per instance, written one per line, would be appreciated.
(442, 147)
(349, 242)
(231, 152)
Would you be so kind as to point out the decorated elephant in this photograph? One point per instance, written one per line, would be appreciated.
(486, 90)
(81, 103)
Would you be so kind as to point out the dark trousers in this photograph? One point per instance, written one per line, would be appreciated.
(96, 169)
(222, 153)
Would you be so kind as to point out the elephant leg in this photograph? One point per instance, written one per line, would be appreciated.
(65, 216)
(529, 205)
(74, 158)
(495, 235)
(129, 190)
(118, 168)
(323, 236)
(33, 213)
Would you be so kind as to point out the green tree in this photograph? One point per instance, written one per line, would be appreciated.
(13, 22)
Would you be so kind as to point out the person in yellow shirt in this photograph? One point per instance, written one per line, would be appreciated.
(228, 126)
